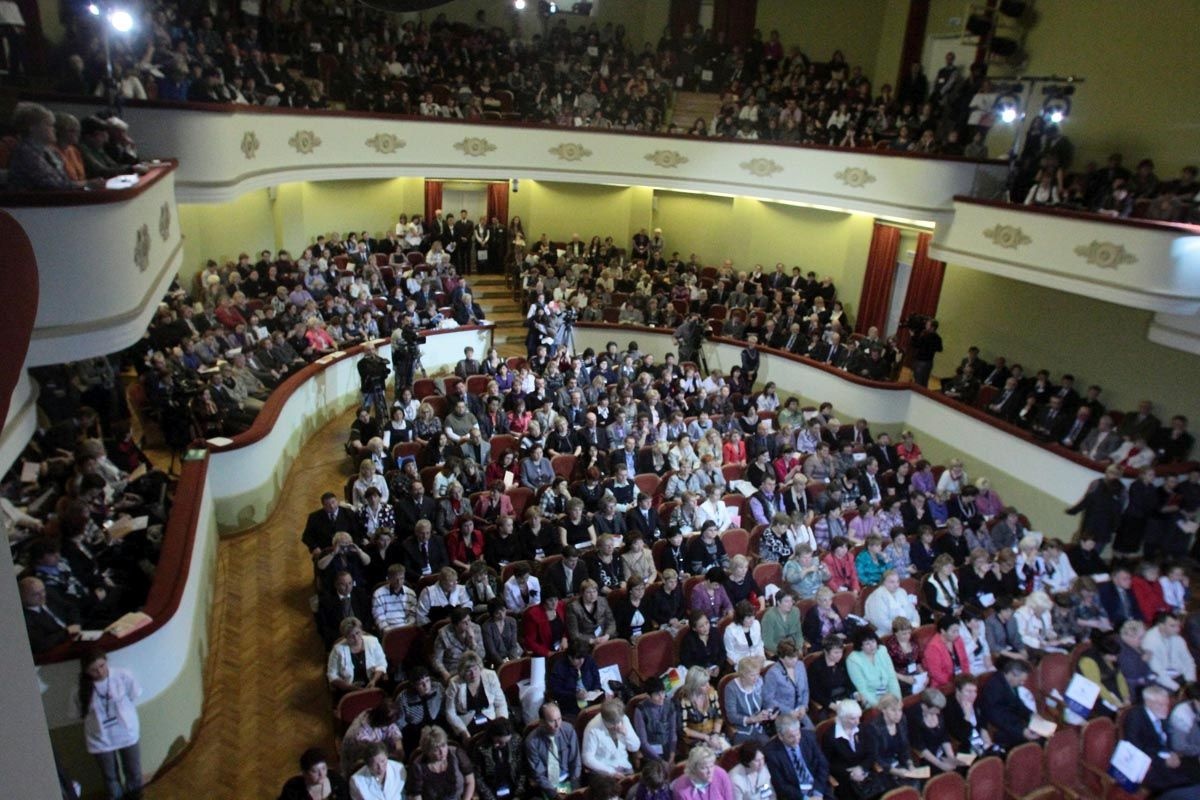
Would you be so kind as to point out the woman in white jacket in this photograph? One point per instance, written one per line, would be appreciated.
(105, 699)
(714, 508)
(888, 602)
(1036, 626)
(356, 660)
(474, 697)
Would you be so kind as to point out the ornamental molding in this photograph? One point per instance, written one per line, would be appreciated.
(1106, 255)
(474, 146)
(386, 143)
(250, 144)
(164, 221)
(1009, 237)
(305, 142)
(854, 177)
(141, 248)
(761, 167)
(668, 159)
(570, 151)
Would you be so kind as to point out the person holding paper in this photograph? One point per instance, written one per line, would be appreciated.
(927, 730)
(966, 721)
(473, 697)
(852, 756)
(1185, 723)
(889, 737)
(1007, 712)
(1170, 777)
(1099, 665)
(575, 680)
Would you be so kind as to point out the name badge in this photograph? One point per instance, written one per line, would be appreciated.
(912, 669)
(480, 719)
(503, 791)
(426, 570)
(599, 631)
(882, 690)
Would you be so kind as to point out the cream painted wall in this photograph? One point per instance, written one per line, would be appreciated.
(222, 231)
(818, 27)
(891, 42)
(1139, 60)
(1043, 328)
(561, 209)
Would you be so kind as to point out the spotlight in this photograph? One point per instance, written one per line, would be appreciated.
(519, 5)
(122, 21)
(1056, 108)
(1008, 115)
(1008, 105)
(93, 9)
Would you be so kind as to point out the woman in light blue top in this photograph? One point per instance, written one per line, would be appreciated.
(871, 669)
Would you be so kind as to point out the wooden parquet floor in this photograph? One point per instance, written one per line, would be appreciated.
(266, 696)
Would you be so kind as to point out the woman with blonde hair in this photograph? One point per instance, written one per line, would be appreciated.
(702, 779)
(700, 711)
(474, 697)
(443, 771)
(368, 477)
(426, 424)
(1036, 625)
(744, 707)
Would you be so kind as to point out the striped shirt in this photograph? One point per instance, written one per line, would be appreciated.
(393, 609)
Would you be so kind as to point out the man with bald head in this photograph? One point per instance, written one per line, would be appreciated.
(49, 618)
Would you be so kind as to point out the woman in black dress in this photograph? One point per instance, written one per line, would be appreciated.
(442, 771)
(828, 679)
(702, 646)
(927, 731)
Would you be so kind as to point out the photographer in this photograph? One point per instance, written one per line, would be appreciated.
(372, 374)
(690, 337)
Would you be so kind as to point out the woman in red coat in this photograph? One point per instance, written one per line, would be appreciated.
(544, 626)
(946, 655)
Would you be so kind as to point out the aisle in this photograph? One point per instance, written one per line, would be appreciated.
(266, 696)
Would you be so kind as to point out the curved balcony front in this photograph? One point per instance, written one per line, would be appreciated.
(104, 260)
(225, 151)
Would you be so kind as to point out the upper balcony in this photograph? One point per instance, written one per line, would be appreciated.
(224, 151)
(1131, 262)
(104, 259)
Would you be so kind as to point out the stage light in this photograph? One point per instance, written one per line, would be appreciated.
(1008, 115)
(1008, 104)
(122, 21)
(519, 5)
(93, 9)
(1058, 103)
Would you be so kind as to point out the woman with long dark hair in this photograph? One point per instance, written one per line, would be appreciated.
(105, 702)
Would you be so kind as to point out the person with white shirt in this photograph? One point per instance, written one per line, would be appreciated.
(743, 636)
(608, 740)
(437, 599)
(380, 778)
(394, 604)
(1170, 659)
(1174, 583)
(522, 589)
(888, 602)
(106, 700)
(1036, 627)
(714, 508)
(1059, 572)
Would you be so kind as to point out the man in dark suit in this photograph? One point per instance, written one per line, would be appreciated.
(627, 455)
(413, 507)
(1052, 421)
(322, 524)
(794, 340)
(1009, 715)
(884, 452)
(794, 760)
(761, 441)
(49, 618)
(643, 519)
(1077, 428)
(833, 354)
(566, 576)
(856, 434)
(1117, 598)
(1171, 777)
(997, 374)
(1009, 401)
(346, 600)
(422, 553)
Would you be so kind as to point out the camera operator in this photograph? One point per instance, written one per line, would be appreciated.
(372, 375)
(690, 338)
(925, 346)
(406, 350)
(563, 320)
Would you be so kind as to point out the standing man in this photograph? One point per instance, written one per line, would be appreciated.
(464, 235)
(689, 336)
(373, 372)
(926, 345)
(497, 246)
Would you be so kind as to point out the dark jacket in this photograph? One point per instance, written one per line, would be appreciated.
(1006, 712)
(783, 773)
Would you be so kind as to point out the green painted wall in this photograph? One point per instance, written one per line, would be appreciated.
(1139, 61)
(562, 209)
(818, 27)
(891, 41)
(222, 231)
(1098, 342)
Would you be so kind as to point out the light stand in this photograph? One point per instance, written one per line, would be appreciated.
(121, 21)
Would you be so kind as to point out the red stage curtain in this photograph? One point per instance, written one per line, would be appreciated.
(925, 285)
(735, 18)
(497, 202)
(877, 282)
(433, 199)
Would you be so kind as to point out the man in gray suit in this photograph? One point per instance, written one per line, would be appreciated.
(1101, 443)
(552, 754)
